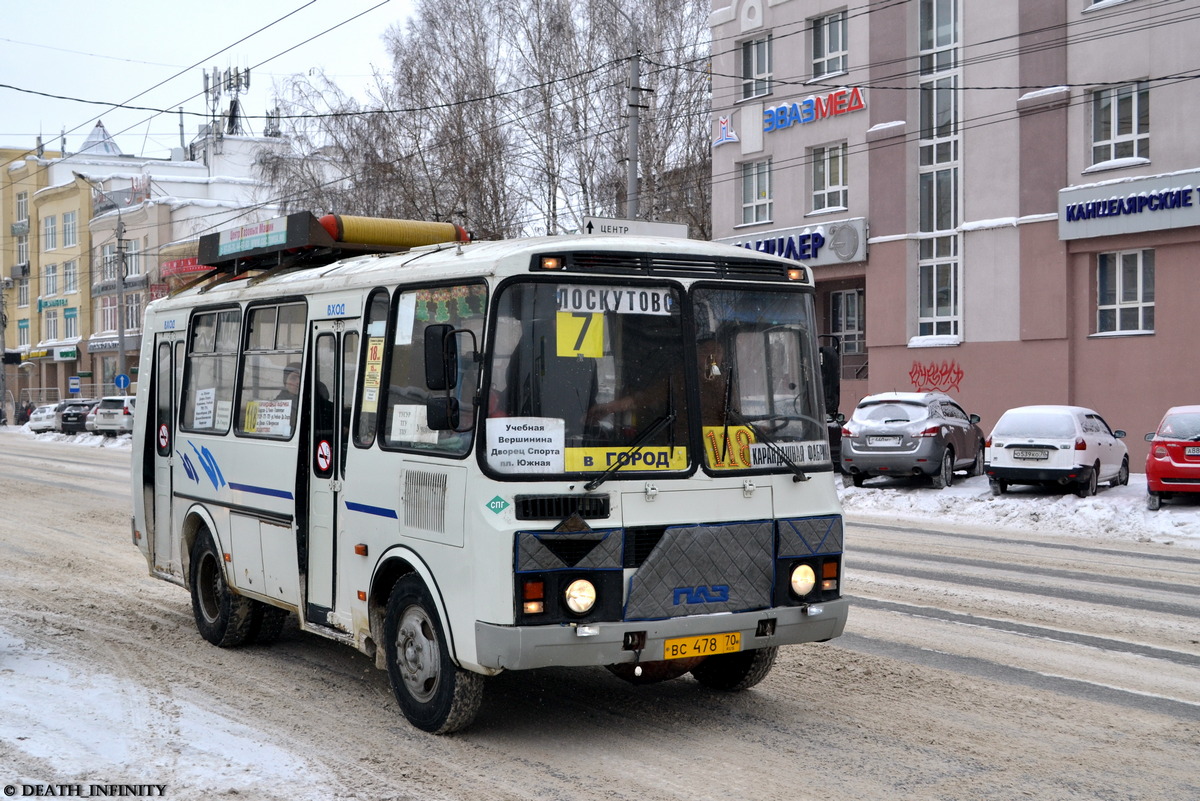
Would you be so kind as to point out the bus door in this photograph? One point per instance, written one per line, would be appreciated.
(161, 427)
(333, 355)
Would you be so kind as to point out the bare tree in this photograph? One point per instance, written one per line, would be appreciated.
(509, 117)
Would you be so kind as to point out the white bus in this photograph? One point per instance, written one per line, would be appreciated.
(464, 458)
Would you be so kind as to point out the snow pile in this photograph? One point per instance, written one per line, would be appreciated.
(1114, 513)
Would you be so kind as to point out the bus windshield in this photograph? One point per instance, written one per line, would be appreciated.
(587, 378)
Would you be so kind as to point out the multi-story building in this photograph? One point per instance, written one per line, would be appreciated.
(986, 201)
(92, 236)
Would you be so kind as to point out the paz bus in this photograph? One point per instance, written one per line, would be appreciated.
(463, 458)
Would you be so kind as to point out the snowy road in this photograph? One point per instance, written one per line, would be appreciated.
(981, 661)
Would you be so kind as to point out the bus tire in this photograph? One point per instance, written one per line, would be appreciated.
(733, 672)
(434, 694)
(223, 617)
(267, 623)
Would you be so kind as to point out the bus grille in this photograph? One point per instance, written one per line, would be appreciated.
(560, 507)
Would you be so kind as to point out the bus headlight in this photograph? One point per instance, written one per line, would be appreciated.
(803, 580)
(580, 596)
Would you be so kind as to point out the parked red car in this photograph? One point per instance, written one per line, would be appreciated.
(1173, 464)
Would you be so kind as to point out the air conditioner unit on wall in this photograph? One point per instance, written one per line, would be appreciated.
(21, 270)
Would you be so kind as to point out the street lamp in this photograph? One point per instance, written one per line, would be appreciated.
(121, 312)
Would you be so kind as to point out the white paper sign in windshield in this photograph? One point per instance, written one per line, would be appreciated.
(526, 444)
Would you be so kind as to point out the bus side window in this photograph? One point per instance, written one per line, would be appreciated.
(269, 393)
(374, 345)
(209, 375)
(404, 422)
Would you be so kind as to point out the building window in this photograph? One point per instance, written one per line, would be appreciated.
(108, 313)
(70, 271)
(133, 311)
(1125, 291)
(829, 45)
(50, 280)
(848, 320)
(22, 206)
(938, 313)
(50, 319)
(108, 256)
(70, 323)
(830, 190)
(70, 229)
(23, 249)
(23, 334)
(1121, 122)
(133, 258)
(22, 292)
(756, 68)
(50, 233)
(756, 192)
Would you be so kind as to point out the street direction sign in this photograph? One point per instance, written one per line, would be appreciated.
(611, 227)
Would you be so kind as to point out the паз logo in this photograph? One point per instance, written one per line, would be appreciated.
(717, 593)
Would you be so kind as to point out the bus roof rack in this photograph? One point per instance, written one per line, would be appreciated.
(302, 240)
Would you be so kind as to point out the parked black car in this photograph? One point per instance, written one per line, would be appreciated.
(73, 418)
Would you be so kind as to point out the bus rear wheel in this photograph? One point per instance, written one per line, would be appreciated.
(223, 617)
(434, 694)
(733, 672)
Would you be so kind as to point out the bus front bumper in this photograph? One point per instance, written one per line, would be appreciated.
(525, 647)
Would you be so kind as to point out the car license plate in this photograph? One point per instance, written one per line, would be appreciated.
(1192, 450)
(1027, 454)
(707, 645)
(883, 440)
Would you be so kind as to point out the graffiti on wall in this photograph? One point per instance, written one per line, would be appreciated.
(942, 377)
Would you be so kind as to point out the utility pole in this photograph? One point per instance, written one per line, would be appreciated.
(4, 284)
(121, 312)
(631, 174)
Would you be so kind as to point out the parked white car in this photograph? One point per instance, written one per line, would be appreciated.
(1068, 446)
(42, 419)
(114, 415)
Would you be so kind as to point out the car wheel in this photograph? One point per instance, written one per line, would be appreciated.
(433, 693)
(1088, 487)
(223, 617)
(733, 672)
(977, 466)
(944, 477)
(1122, 475)
(1153, 501)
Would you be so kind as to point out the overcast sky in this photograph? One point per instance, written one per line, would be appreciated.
(119, 53)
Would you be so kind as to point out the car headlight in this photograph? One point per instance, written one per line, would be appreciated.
(580, 596)
(803, 580)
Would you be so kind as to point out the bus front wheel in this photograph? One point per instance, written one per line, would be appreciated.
(223, 618)
(732, 672)
(434, 694)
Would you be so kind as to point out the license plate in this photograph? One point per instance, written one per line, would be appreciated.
(1192, 450)
(685, 647)
(883, 440)
(1030, 454)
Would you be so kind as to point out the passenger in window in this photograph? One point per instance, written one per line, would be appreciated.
(291, 383)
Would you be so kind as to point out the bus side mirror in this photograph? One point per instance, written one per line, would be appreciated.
(441, 414)
(441, 357)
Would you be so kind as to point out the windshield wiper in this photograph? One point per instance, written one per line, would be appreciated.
(797, 474)
(635, 448)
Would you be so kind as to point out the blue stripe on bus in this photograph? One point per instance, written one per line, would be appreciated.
(274, 493)
(372, 510)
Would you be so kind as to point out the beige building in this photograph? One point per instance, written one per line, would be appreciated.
(998, 200)
(91, 237)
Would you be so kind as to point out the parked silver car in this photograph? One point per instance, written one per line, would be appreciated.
(114, 415)
(911, 434)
